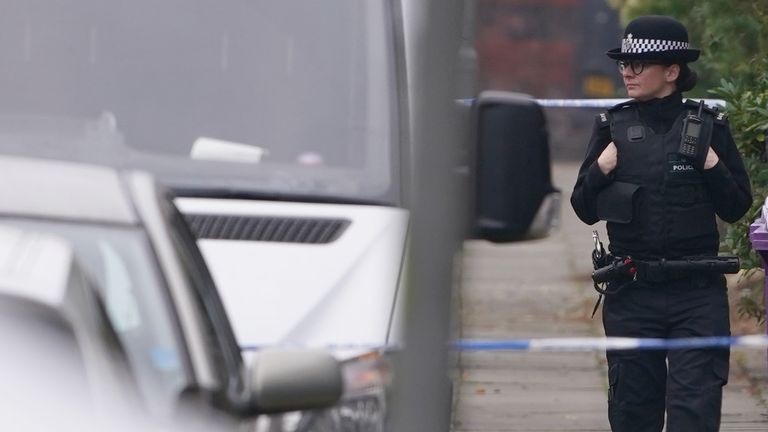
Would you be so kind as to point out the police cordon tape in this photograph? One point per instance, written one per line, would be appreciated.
(611, 343)
(603, 103)
(589, 103)
(576, 344)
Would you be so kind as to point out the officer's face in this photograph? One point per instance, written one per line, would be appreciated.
(653, 81)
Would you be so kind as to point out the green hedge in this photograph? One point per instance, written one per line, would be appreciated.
(748, 111)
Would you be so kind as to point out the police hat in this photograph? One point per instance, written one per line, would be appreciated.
(655, 37)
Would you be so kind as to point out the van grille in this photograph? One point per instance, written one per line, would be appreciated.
(264, 228)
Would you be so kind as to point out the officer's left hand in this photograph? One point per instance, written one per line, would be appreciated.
(711, 160)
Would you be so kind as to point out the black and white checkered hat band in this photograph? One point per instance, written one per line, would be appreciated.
(651, 45)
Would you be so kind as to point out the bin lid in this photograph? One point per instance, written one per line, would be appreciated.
(758, 231)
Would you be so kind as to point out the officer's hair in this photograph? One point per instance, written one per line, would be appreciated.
(687, 78)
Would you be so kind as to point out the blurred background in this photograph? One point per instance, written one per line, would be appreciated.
(543, 48)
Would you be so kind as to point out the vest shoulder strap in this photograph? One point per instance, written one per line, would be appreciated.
(605, 118)
(623, 111)
(718, 117)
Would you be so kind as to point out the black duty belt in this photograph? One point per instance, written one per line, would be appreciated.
(627, 268)
(623, 271)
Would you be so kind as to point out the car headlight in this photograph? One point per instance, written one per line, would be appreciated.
(366, 374)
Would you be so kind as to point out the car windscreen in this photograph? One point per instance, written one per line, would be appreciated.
(120, 263)
(285, 97)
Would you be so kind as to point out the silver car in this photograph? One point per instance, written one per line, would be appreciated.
(138, 300)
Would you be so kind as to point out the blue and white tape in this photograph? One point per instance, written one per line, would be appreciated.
(610, 343)
(579, 103)
(576, 344)
(603, 103)
(590, 103)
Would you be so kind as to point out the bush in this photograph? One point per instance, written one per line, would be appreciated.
(748, 111)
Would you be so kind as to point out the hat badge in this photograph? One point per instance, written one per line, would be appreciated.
(627, 45)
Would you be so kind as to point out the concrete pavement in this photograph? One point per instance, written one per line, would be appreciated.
(542, 289)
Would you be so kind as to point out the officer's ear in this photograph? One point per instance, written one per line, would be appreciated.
(672, 72)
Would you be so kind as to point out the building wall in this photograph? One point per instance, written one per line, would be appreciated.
(547, 48)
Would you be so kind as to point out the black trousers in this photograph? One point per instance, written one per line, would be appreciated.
(685, 383)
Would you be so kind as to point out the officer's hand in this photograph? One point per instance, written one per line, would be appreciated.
(711, 159)
(607, 160)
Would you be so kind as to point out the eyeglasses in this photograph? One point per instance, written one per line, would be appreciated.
(637, 66)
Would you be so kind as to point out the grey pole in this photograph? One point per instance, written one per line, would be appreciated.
(422, 401)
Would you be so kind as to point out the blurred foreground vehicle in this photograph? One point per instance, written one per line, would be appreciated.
(50, 381)
(104, 266)
(293, 135)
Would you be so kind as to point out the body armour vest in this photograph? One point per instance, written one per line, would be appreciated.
(671, 214)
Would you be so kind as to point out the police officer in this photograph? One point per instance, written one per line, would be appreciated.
(660, 202)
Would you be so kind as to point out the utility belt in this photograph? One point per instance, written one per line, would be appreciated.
(662, 270)
(623, 271)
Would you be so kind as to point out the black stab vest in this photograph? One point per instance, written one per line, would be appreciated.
(672, 212)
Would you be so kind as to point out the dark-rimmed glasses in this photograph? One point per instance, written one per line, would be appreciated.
(637, 66)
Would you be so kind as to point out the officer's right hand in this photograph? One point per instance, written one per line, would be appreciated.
(607, 160)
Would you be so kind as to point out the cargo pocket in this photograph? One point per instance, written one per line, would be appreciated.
(637, 379)
(613, 381)
(720, 368)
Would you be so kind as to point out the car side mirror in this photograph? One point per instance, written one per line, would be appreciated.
(293, 380)
(514, 196)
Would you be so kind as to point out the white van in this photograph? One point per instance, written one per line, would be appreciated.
(307, 141)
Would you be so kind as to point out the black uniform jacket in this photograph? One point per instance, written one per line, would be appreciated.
(672, 212)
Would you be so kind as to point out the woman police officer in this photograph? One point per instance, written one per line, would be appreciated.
(661, 204)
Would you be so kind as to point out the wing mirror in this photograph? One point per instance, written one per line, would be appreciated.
(514, 196)
(293, 380)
